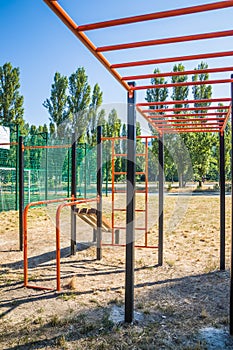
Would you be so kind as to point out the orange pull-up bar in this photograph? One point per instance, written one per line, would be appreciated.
(157, 15)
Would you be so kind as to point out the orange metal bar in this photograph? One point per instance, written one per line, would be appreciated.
(196, 125)
(67, 20)
(151, 116)
(47, 147)
(143, 104)
(177, 131)
(58, 230)
(163, 110)
(157, 15)
(25, 235)
(189, 83)
(172, 59)
(172, 74)
(226, 119)
(186, 120)
(173, 40)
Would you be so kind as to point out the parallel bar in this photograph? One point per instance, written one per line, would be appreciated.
(164, 41)
(178, 131)
(156, 15)
(222, 201)
(226, 118)
(99, 193)
(172, 74)
(184, 115)
(130, 213)
(204, 100)
(172, 59)
(21, 192)
(73, 243)
(204, 108)
(188, 83)
(231, 278)
(161, 199)
(198, 120)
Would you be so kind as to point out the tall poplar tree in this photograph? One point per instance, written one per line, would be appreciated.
(180, 142)
(57, 103)
(11, 101)
(201, 142)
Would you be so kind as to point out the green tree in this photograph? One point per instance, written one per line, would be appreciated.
(201, 142)
(78, 101)
(180, 141)
(11, 102)
(57, 103)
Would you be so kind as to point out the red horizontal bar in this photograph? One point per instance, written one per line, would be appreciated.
(215, 125)
(188, 120)
(178, 131)
(173, 40)
(157, 15)
(163, 110)
(226, 119)
(184, 115)
(204, 100)
(172, 59)
(171, 74)
(189, 83)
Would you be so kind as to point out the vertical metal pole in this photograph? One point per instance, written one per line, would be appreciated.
(73, 194)
(222, 201)
(231, 278)
(106, 160)
(130, 207)
(46, 166)
(21, 191)
(161, 199)
(16, 168)
(99, 194)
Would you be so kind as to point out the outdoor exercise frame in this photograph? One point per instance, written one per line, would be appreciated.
(161, 123)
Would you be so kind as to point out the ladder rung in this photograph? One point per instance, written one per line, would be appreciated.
(140, 173)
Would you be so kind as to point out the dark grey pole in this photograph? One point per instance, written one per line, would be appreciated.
(222, 201)
(73, 193)
(99, 194)
(161, 199)
(21, 191)
(231, 278)
(130, 208)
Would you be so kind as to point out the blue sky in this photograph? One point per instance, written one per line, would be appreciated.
(35, 40)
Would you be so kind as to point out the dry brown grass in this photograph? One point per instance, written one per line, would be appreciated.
(176, 300)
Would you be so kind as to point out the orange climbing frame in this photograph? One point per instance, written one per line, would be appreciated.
(73, 202)
(114, 155)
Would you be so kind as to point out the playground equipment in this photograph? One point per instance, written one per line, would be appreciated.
(161, 123)
(92, 216)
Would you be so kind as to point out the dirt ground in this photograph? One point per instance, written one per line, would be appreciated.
(174, 303)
